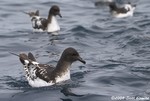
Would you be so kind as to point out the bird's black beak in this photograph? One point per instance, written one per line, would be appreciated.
(81, 60)
(59, 15)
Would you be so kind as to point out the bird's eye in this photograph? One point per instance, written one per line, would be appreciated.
(73, 54)
(56, 10)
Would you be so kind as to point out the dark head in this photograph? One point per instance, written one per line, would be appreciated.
(54, 10)
(112, 6)
(71, 55)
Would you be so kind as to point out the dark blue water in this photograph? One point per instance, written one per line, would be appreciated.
(117, 51)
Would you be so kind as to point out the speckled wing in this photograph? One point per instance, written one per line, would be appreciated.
(35, 20)
(44, 23)
(39, 23)
(122, 10)
(44, 72)
(33, 69)
(28, 66)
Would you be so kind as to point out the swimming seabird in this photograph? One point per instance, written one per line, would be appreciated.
(39, 75)
(48, 24)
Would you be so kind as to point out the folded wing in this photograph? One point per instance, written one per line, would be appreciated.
(35, 70)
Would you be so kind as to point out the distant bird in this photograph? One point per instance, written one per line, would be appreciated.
(39, 75)
(48, 24)
(102, 2)
(125, 10)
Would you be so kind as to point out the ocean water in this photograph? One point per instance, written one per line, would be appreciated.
(117, 51)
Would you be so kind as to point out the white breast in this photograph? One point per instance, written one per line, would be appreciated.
(53, 26)
(64, 77)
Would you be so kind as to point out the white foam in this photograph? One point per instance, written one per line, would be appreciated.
(38, 30)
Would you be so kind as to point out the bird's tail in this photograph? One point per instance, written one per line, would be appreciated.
(31, 14)
(14, 54)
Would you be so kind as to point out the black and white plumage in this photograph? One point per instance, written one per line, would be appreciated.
(125, 10)
(48, 24)
(39, 75)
